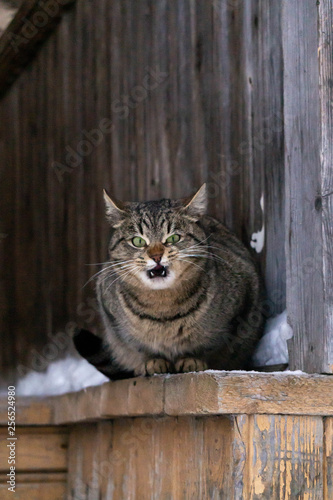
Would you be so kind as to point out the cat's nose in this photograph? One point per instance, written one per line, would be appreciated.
(157, 258)
(155, 252)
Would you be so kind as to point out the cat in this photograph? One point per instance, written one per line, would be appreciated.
(8, 9)
(179, 292)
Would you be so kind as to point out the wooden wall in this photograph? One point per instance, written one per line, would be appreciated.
(211, 111)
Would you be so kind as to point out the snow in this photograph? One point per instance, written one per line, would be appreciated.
(73, 374)
(272, 348)
(258, 239)
(65, 375)
(255, 372)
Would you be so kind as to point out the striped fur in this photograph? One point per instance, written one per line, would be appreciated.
(204, 314)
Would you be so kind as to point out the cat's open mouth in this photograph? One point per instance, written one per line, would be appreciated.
(158, 272)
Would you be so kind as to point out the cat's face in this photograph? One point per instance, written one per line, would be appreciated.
(158, 243)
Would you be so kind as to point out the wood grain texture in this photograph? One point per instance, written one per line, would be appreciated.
(279, 457)
(253, 457)
(37, 449)
(29, 411)
(328, 458)
(35, 491)
(325, 200)
(193, 90)
(219, 393)
(205, 393)
(152, 458)
(308, 125)
(36, 486)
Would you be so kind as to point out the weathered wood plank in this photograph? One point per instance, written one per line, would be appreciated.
(252, 393)
(200, 394)
(267, 167)
(83, 462)
(35, 491)
(308, 126)
(325, 200)
(279, 457)
(137, 397)
(35, 486)
(152, 458)
(37, 449)
(220, 393)
(328, 458)
(29, 411)
(37, 477)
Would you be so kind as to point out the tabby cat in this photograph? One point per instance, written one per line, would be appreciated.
(179, 292)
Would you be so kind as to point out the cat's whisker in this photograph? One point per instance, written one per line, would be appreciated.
(123, 275)
(107, 269)
(209, 255)
(202, 250)
(117, 271)
(199, 244)
(205, 254)
(193, 263)
(109, 276)
(114, 261)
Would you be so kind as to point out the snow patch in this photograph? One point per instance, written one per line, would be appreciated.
(258, 239)
(65, 375)
(272, 348)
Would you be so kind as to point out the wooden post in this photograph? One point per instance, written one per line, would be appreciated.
(307, 28)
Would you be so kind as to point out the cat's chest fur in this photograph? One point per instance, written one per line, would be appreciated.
(161, 323)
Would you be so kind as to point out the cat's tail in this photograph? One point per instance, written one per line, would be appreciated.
(92, 348)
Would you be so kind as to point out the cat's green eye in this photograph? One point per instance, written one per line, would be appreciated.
(174, 238)
(139, 242)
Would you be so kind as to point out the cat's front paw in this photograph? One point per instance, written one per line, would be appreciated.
(157, 365)
(185, 365)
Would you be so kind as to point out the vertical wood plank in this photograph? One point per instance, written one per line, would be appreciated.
(307, 299)
(8, 173)
(279, 457)
(328, 458)
(82, 451)
(324, 201)
(267, 207)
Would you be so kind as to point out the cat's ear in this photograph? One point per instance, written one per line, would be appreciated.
(115, 210)
(195, 206)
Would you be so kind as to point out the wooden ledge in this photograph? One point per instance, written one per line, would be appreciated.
(202, 394)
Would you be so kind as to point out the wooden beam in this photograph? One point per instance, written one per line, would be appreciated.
(307, 28)
(31, 25)
(248, 393)
(212, 393)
